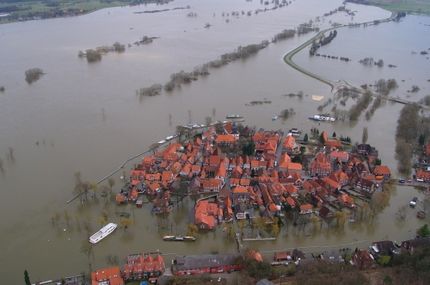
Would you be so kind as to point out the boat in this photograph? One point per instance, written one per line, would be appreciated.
(295, 132)
(274, 118)
(102, 233)
(322, 118)
(161, 142)
(169, 138)
(178, 238)
(413, 202)
(233, 116)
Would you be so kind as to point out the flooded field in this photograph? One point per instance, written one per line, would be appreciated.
(86, 118)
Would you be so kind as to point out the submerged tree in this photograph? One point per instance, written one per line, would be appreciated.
(365, 135)
(33, 74)
(26, 278)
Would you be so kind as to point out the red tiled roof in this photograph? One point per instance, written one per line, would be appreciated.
(289, 142)
(205, 213)
(291, 189)
(225, 139)
(245, 181)
(382, 170)
(305, 207)
(339, 155)
(291, 202)
(421, 174)
(111, 274)
(240, 189)
(211, 183)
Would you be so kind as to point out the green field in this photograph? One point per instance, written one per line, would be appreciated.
(408, 6)
(20, 10)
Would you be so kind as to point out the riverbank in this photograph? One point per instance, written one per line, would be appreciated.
(411, 6)
(18, 11)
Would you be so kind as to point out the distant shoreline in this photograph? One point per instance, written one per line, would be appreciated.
(410, 7)
(33, 10)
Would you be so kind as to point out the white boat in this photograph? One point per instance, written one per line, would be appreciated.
(161, 142)
(169, 138)
(102, 233)
(413, 202)
(274, 118)
(233, 116)
(322, 118)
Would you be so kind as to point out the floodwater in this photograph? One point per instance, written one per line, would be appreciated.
(87, 118)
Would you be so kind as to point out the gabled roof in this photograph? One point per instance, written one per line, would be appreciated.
(291, 202)
(240, 189)
(330, 182)
(382, 170)
(339, 155)
(289, 142)
(306, 207)
(291, 189)
(225, 139)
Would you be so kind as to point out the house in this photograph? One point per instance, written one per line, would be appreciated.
(195, 169)
(346, 200)
(366, 150)
(385, 247)
(240, 195)
(331, 184)
(291, 190)
(206, 215)
(211, 185)
(284, 161)
(137, 176)
(411, 245)
(186, 170)
(289, 144)
(225, 139)
(362, 259)
(294, 167)
(143, 266)
(422, 175)
(311, 186)
(320, 166)
(167, 177)
(382, 171)
(277, 189)
(367, 186)
(245, 181)
(107, 276)
(290, 201)
(340, 156)
(305, 209)
(340, 177)
(153, 177)
(201, 264)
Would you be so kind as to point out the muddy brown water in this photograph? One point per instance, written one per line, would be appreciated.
(87, 118)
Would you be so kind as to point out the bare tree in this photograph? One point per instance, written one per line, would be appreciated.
(365, 135)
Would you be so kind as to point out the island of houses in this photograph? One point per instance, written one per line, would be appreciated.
(246, 173)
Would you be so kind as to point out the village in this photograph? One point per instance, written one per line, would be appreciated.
(241, 174)
(250, 183)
